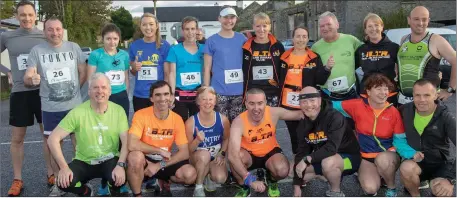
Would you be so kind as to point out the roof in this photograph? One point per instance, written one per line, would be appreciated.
(176, 14)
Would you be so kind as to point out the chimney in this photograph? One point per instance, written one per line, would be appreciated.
(239, 4)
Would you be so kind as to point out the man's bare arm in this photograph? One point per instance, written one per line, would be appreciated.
(234, 147)
(135, 144)
(208, 61)
(182, 154)
(446, 51)
(53, 142)
(279, 113)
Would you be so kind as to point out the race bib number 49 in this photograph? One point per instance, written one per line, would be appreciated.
(116, 77)
(147, 73)
(190, 78)
(262, 72)
(292, 99)
(233, 76)
(22, 61)
(338, 84)
(58, 75)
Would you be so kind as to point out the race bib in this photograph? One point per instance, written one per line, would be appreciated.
(102, 159)
(116, 77)
(157, 156)
(213, 150)
(233, 76)
(190, 78)
(262, 72)
(338, 84)
(402, 99)
(148, 73)
(58, 75)
(292, 99)
(22, 61)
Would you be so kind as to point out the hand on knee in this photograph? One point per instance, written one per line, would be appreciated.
(442, 187)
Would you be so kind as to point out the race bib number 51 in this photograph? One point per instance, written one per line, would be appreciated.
(147, 73)
(233, 76)
(58, 75)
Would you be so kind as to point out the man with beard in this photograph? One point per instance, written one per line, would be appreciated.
(62, 66)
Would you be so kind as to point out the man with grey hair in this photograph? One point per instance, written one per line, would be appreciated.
(337, 48)
(201, 36)
(98, 124)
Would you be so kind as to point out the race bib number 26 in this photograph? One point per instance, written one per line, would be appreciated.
(58, 75)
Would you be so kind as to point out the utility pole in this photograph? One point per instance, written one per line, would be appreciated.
(155, 7)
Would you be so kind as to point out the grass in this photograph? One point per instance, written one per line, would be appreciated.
(5, 95)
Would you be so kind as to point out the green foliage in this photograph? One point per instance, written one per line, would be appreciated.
(6, 9)
(395, 19)
(123, 19)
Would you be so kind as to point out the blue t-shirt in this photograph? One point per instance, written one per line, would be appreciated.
(189, 67)
(112, 66)
(227, 53)
(152, 60)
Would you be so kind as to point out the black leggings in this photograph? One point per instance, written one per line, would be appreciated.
(83, 173)
(121, 98)
(185, 109)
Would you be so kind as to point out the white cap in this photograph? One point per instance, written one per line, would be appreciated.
(228, 11)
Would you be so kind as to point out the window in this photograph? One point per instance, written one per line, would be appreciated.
(164, 37)
(163, 27)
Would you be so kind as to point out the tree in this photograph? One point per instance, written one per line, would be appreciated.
(6, 9)
(123, 19)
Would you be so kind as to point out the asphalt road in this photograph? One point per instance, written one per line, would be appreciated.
(34, 171)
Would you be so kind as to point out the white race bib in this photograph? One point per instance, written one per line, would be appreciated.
(213, 150)
(233, 76)
(262, 72)
(58, 75)
(190, 78)
(102, 159)
(22, 61)
(157, 156)
(147, 73)
(116, 77)
(338, 84)
(402, 99)
(292, 99)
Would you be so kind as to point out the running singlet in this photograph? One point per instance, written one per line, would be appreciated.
(415, 62)
(156, 132)
(259, 140)
(213, 134)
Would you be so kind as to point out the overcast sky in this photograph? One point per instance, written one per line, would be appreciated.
(136, 7)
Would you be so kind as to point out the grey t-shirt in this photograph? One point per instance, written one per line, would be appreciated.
(58, 69)
(19, 42)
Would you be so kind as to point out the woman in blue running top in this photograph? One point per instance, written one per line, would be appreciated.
(147, 58)
(184, 70)
(114, 63)
(208, 134)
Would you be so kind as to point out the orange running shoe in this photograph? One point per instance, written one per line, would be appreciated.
(51, 180)
(16, 188)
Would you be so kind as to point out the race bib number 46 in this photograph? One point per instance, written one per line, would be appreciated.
(22, 61)
(233, 76)
(262, 72)
(292, 99)
(116, 77)
(58, 75)
(190, 78)
(338, 84)
(147, 73)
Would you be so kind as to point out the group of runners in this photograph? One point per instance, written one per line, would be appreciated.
(219, 102)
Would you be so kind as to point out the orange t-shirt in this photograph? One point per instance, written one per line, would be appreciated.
(158, 133)
(261, 139)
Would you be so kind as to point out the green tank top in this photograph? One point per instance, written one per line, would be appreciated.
(415, 62)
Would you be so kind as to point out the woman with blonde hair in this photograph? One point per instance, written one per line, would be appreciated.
(208, 134)
(147, 59)
(378, 54)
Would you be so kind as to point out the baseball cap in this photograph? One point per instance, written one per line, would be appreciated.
(228, 11)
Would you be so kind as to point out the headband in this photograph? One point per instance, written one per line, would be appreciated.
(309, 95)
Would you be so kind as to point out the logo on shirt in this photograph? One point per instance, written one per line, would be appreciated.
(276, 53)
(155, 133)
(346, 53)
(404, 49)
(262, 136)
(261, 55)
(375, 55)
(100, 127)
(316, 138)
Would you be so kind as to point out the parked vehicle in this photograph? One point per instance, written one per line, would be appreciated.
(288, 43)
(86, 50)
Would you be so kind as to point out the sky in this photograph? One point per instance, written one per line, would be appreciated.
(136, 7)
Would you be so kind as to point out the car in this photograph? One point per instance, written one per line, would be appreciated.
(288, 43)
(452, 27)
(86, 50)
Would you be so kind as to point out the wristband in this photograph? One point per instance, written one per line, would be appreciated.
(222, 153)
(249, 179)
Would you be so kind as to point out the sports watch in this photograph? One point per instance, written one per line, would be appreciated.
(305, 159)
(450, 90)
(162, 164)
(122, 164)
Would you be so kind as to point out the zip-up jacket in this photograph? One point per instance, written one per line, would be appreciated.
(434, 141)
(276, 50)
(375, 133)
(295, 77)
(323, 137)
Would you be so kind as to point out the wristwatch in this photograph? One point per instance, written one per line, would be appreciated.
(305, 159)
(162, 164)
(122, 164)
(450, 90)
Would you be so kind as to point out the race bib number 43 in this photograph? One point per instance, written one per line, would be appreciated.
(22, 61)
(116, 77)
(190, 78)
(58, 75)
(147, 73)
(262, 72)
(338, 84)
(233, 76)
